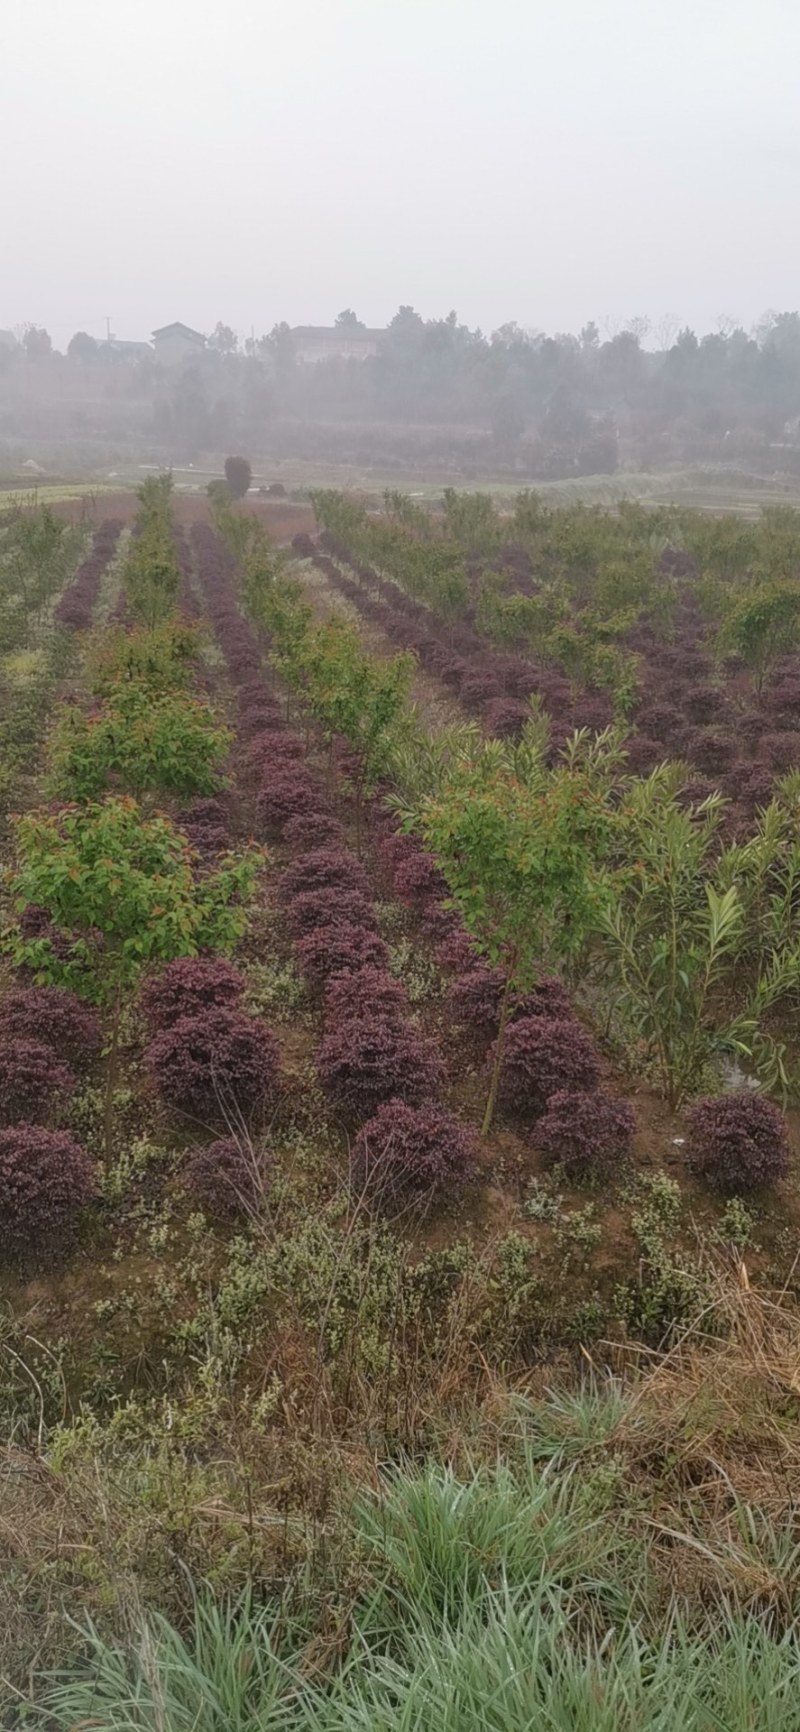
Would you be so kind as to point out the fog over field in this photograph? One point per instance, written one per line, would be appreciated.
(548, 163)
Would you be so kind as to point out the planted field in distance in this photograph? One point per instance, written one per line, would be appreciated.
(399, 1117)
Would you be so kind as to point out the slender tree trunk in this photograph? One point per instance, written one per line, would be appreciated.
(111, 1077)
(499, 1050)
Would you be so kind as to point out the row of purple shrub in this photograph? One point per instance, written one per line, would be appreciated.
(76, 606)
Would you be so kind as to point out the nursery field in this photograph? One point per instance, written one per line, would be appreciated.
(399, 1130)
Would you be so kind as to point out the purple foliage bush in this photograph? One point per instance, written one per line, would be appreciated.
(457, 954)
(365, 1062)
(260, 717)
(214, 1064)
(703, 703)
(505, 718)
(334, 949)
(711, 750)
(54, 1016)
(364, 993)
(588, 1134)
(324, 869)
(45, 1179)
(203, 811)
(543, 1055)
(310, 831)
(476, 997)
(288, 791)
(188, 986)
(549, 997)
(323, 908)
(270, 750)
(781, 751)
(32, 1081)
(405, 1152)
(207, 840)
(737, 1142)
(226, 1178)
(417, 879)
(477, 689)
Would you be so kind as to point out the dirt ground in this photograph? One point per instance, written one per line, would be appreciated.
(282, 517)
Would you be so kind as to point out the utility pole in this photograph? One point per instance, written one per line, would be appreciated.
(108, 329)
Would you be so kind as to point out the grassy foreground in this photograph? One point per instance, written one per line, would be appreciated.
(620, 1555)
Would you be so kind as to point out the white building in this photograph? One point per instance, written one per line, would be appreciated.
(175, 343)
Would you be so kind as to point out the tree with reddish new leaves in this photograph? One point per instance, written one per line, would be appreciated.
(218, 1064)
(363, 1063)
(737, 1142)
(542, 1056)
(405, 1153)
(589, 1135)
(45, 1180)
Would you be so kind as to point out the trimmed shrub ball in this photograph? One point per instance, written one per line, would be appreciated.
(54, 1016)
(549, 997)
(202, 811)
(188, 986)
(711, 750)
(45, 1179)
(476, 997)
(323, 869)
(588, 1134)
(287, 792)
(542, 1056)
(332, 949)
(505, 718)
(259, 718)
(216, 1064)
(737, 1142)
(365, 1062)
(311, 831)
(364, 992)
(417, 879)
(32, 1080)
(270, 749)
(207, 840)
(226, 1178)
(781, 751)
(322, 908)
(406, 1152)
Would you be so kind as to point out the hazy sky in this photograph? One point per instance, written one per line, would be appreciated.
(547, 161)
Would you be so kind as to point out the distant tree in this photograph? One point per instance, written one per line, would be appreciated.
(37, 343)
(280, 344)
(82, 347)
(238, 474)
(223, 339)
(508, 422)
(349, 321)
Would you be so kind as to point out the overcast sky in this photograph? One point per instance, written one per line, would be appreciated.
(547, 161)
